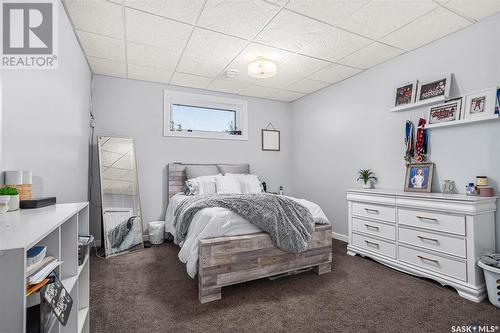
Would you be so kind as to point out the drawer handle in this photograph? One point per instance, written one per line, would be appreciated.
(372, 244)
(373, 211)
(423, 218)
(429, 239)
(428, 259)
(374, 227)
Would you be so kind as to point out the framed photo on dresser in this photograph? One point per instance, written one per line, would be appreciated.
(419, 177)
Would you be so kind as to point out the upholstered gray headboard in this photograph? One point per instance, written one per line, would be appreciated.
(177, 175)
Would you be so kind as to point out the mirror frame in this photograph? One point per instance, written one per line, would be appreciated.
(104, 240)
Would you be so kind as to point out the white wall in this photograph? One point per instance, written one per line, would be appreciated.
(348, 126)
(45, 122)
(134, 109)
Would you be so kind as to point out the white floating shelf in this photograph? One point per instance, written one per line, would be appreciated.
(415, 105)
(463, 121)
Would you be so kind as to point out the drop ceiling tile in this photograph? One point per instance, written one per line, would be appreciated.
(241, 18)
(426, 29)
(334, 73)
(306, 86)
(329, 11)
(232, 87)
(181, 10)
(476, 9)
(102, 46)
(335, 44)
(144, 55)
(107, 67)
(188, 80)
(286, 96)
(200, 65)
(300, 65)
(371, 55)
(257, 91)
(101, 17)
(149, 74)
(208, 52)
(291, 31)
(279, 81)
(242, 76)
(156, 31)
(380, 17)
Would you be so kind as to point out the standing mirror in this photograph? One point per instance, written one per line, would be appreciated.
(121, 206)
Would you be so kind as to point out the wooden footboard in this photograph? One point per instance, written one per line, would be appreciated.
(234, 259)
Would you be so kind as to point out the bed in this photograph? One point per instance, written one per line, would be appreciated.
(244, 252)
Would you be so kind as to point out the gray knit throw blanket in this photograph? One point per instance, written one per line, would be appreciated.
(289, 223)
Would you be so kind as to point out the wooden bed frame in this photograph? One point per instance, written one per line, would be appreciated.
(228, 260)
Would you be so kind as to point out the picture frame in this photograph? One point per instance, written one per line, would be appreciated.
(435, 89)
(443, 113)
(406, 93)
(271, 140)
(480, 103)
(418, 177)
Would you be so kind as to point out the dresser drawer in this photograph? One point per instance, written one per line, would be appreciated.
(454, 224)
(374, 228)
(432, 241)
(374, 245)
(434, 262)
(374, 211)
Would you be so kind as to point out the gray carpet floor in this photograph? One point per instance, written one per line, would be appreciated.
(150, 291)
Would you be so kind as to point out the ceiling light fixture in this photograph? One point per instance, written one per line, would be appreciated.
(262, 68)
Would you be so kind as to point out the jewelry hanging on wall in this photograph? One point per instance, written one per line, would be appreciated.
(409, 141)
(421, 141)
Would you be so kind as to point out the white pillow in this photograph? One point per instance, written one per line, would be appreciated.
(228, 185)
(249, 183)
(201, 185)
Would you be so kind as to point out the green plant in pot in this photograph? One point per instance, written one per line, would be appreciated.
(368, 177)
(13, 198)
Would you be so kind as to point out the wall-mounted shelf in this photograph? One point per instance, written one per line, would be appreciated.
(415, 105)
(463, 121)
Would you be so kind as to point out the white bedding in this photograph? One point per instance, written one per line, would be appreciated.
(215, 222)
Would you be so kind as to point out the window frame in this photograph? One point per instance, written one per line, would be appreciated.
(205, 101)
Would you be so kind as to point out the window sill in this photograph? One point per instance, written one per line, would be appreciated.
(213, 136)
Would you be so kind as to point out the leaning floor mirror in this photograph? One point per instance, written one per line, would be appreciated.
(120, 202)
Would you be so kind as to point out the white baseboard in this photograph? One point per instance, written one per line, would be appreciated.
(341, 237)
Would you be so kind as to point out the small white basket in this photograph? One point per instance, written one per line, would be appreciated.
(492, 277)
(156, 232)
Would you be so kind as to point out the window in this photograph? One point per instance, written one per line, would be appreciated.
(204, 116)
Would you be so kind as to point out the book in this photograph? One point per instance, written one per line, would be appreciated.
(35, 254)
(58, 299)
(32, 288)
(43, 272)
(35, 267)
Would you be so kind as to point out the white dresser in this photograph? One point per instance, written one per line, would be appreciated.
(432, 235)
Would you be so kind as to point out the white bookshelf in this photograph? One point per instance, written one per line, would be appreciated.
(56, 227)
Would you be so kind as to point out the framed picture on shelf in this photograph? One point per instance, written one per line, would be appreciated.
(435, 89)
(449, 111)
(480, 103)
(419, 177)
(405, 94)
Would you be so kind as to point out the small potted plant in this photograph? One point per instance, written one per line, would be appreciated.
(13, 194)
(368, 177)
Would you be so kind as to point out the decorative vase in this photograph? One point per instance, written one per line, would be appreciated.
(13, 202)
(367, 185)
(4, 203)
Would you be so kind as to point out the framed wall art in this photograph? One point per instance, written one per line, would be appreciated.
(480, 104)
(406, 93)
(434, 89)
(419, 177)
(444, 113)
(271, 138)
